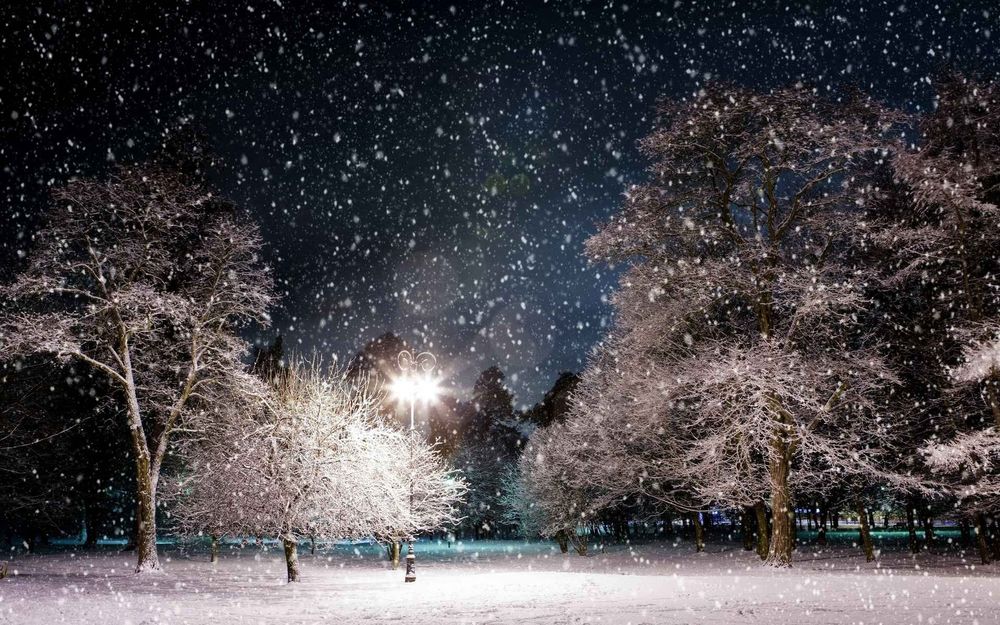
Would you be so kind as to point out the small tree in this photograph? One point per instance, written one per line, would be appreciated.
(144, 277)
(313, 459)
(216, 491)
(554, 495)
(435, 491)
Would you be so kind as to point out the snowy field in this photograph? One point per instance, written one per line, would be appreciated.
(504, 582)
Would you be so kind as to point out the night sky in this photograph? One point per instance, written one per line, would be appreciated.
(430, 169)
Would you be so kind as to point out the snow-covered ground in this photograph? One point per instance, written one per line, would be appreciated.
(504, 582)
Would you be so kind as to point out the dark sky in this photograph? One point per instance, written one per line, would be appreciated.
(431, 169)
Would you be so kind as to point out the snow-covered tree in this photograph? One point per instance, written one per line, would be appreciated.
(435, 490)
(302, 465)
(143, 276)
(945, 239)
(551, 492)
(740, 366)
(217, 488)
(314, 458)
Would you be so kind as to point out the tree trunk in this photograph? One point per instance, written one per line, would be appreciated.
(89, 525)
(746, 520)
(291, 557)
(145, 539)
(984, 546)
(928, 528)
(995, 535)
(215, 549)
(865, 531)
(835, 520)
(821, 526)
(393, 550)
(782, 538)
(911, 529)
(763, 534)
(699, 532)
(579, 543)
(563, 541)
(146, 478)
(312, 545)
(963, 529)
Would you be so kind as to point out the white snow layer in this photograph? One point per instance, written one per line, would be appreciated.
(504, 582)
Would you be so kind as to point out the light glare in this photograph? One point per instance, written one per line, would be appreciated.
(422, 388)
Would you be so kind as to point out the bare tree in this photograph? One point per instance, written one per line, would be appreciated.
(144, 277)
(437, 490)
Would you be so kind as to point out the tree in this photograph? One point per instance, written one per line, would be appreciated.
(438, 422)
(490, 444)
(740, 357)
(269, 361)
(144, 276)
(945, 238)
(378, 361)
(302, 465)
(436, 491)
(555, 404)
(314, 458)
(436, 496)
(379, 357)
(494, 422)
(216, 492)
(549, 492)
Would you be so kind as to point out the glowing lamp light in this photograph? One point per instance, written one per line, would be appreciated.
(415, 388)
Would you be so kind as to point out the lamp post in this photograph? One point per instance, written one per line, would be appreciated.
(416, 383)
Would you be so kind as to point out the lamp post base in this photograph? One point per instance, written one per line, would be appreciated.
(411, 563)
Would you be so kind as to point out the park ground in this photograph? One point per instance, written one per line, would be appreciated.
(473, 582)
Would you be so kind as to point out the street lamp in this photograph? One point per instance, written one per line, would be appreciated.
(415, 383)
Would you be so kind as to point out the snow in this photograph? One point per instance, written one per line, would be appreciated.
(503, 582)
